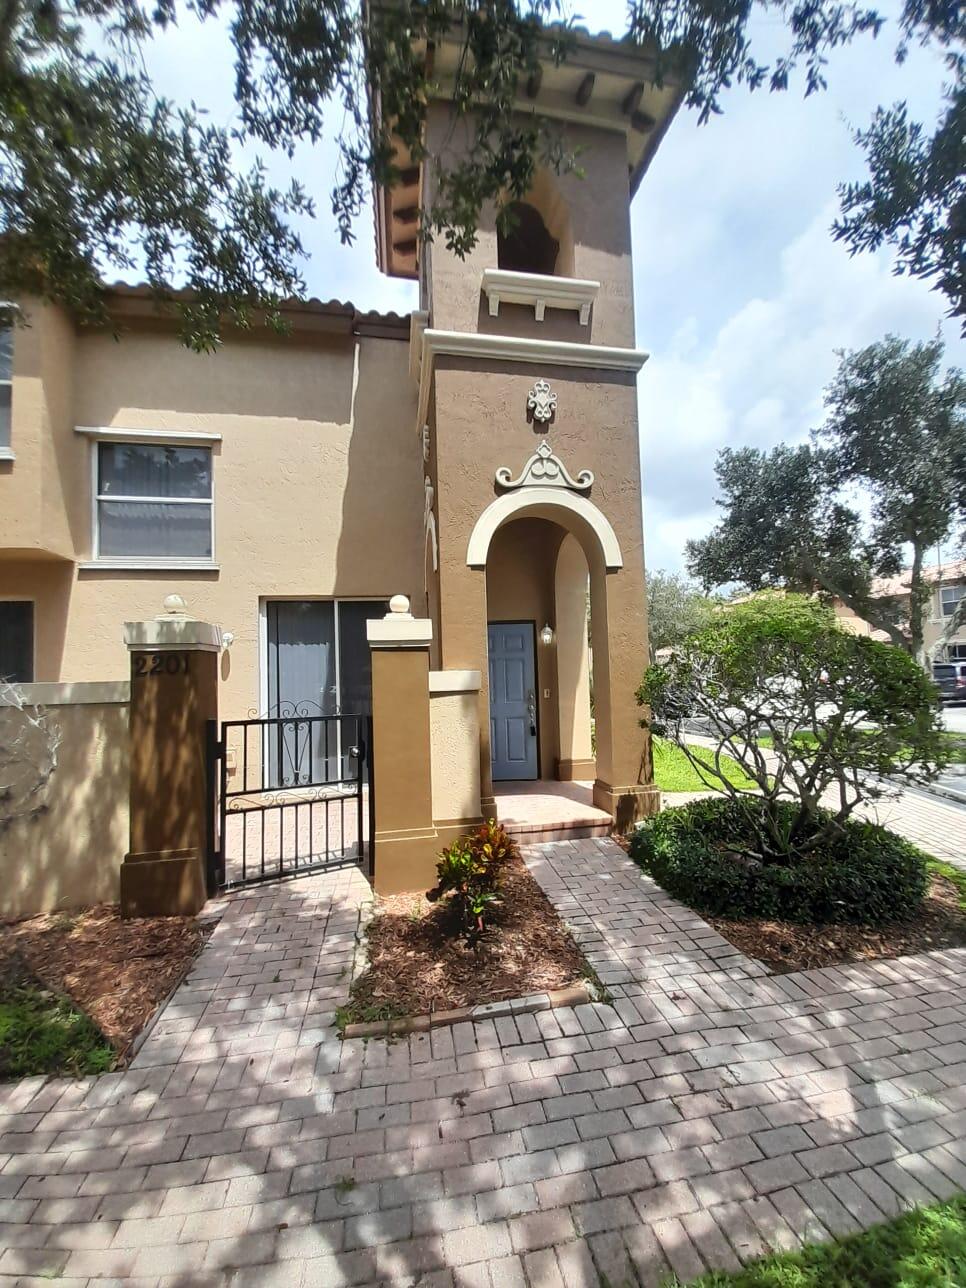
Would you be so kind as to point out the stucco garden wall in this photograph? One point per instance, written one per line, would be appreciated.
(69, 855)
(454, 724)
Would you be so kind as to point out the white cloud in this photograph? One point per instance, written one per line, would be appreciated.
(760, 378)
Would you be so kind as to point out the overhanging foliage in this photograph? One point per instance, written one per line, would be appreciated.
(98, 173)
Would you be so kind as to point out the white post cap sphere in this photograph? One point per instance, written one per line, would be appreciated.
(174, 604)
(399, 604)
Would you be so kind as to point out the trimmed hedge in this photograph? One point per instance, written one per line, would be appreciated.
(865, 874)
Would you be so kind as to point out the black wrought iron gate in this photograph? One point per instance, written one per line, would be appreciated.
(288, 794)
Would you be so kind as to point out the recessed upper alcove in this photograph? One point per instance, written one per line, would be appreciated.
(524, 242)
(604, 88)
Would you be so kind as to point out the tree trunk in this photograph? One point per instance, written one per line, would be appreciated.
(917, 593)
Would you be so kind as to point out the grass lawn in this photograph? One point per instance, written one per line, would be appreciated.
(41, 1033)
(955, 875)
(921, 1249)
(954, 745)
(673, 772)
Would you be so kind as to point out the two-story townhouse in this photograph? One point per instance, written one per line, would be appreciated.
(274, 486)
(947, 585)
(480, 457)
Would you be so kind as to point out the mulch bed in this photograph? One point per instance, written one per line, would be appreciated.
(419, 964)
(784, 946)
(118, 972)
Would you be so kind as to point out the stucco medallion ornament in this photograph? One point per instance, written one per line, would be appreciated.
(542, 401)
(543, 469)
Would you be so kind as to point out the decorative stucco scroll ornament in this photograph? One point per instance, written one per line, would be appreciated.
(542, 401)
(429, 520)
(543, 469)
(425, 438)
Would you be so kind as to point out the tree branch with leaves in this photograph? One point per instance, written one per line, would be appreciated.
(884, 478)
(29, 743)
(100, 174)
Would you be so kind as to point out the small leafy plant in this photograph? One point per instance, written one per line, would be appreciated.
(494, 842)
(468, 872)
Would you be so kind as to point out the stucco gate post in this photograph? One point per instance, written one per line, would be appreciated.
(174, 693)
(405, 839)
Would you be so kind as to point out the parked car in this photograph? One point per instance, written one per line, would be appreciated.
(950, 679)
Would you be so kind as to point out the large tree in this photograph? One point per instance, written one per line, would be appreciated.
(881, 486)
(676, 606)
(99, 174)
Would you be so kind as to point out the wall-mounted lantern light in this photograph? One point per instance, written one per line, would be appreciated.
(546, 635)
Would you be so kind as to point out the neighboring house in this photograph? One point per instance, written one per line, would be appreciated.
(947, 585)
(480, 457)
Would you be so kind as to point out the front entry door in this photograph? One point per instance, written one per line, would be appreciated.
(513, 700)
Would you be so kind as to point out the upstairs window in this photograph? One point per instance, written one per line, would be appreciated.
(154, 502)
(17, 640)
(526, 246)
(6, 386)
(949, 597)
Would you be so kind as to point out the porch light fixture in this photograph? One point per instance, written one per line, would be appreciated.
(546, 635)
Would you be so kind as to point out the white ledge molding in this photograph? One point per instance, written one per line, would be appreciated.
(516, 348)
(173, 631)
(78, 693)
(397, 630)
(118, 434)
(540, 292)
(148, 565)
(454, 681)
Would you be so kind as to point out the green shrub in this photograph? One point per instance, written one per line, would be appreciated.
(469, 873)
(704, 853)
(844, 717)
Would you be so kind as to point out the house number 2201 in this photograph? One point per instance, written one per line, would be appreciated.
(160, 664)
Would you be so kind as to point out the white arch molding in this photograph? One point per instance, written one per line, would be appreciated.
(545, 503)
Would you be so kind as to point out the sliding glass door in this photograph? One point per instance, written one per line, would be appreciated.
(318, 664)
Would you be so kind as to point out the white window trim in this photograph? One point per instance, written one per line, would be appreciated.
(144, 563)
(942, 603)
(118, 434)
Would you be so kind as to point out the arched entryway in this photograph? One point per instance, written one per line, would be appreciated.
(539, 548)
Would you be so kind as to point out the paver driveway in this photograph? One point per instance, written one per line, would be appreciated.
(712, 1112)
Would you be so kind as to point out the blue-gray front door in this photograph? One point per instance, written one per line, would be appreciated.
(513, 700)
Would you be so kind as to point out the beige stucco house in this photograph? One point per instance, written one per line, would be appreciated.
(480, 457)
(947, 585)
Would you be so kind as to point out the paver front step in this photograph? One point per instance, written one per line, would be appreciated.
(570, 830)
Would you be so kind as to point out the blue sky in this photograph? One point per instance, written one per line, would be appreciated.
(741, 295)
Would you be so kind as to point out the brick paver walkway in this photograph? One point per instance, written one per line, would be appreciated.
(713, 1112)
(936, 825)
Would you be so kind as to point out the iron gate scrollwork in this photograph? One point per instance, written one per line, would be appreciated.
(288, 794)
